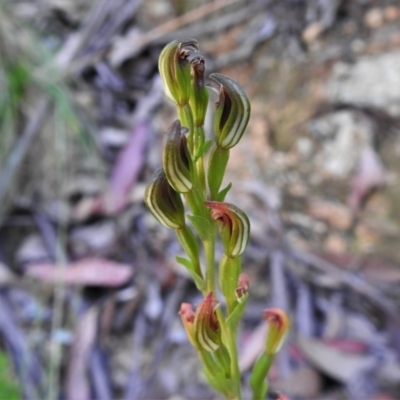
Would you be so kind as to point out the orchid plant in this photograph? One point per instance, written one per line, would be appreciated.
(192, 172)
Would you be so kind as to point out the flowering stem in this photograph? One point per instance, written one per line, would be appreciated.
(229, 338)
(209, 249)
(258, 380)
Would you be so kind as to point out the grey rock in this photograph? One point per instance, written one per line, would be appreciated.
(373, 81)
(343, 134)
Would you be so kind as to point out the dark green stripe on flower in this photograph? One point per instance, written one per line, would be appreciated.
(177, 162)
(206, 326)
(174, 68)
(232, 111)
(164, 202)
(234, 226)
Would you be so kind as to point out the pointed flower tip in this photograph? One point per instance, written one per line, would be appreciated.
(234, 226)
(177, 162)
(175, 69)
(164, 202)
(232, 111)
(278, 328)
(207, 331)
(243, 286)
(187, 316)
(186, 312)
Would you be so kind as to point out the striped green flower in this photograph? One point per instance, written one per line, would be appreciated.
(232, 111)
(234, 226)
(164, 202)
(206, 326)
(177, 162)
(174, 68)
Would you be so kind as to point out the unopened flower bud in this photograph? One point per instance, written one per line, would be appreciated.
(199, 98)
(278, 328)
(243, 286)
(164, 202)
(232, 111)
(176, 159)
(174, 68)
(188, 315)
(206, 326)
(234, 226)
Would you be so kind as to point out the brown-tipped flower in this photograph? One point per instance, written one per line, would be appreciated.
(278, 328)
(176, 159)
(174, 67)
(206, 326)
(234, 226)
(188, 315)
(243, 286)
(232, 111)
(164, 202)
(199, 98)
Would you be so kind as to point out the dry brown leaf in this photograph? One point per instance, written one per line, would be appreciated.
(334, 362)
(303, 382)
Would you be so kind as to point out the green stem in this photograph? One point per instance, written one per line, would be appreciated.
(229, 338)
(209, 249)
(258, 382)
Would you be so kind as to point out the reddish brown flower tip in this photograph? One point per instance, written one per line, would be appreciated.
(208, 335)
(243, 286)
(234, 226)
(186, 312)
(278, 328)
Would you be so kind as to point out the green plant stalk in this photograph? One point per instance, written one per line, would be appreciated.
(229, 271)
(229, 339)
(209, 249)
(258, 382)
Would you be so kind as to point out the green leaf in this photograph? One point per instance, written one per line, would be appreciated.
(218, 381)
(258, 376)
(198, 280)
(202, 226)
(221, 195)
(234, 318)
(229, 270)
(216, 170)
(203, 149)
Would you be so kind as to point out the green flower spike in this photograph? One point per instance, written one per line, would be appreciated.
(232, 111)
(278, 328)
(234, 226)
(164, 202)
(174, 68)
(177, 162)
(206, 326)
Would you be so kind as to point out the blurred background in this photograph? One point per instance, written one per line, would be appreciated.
(89, 285)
